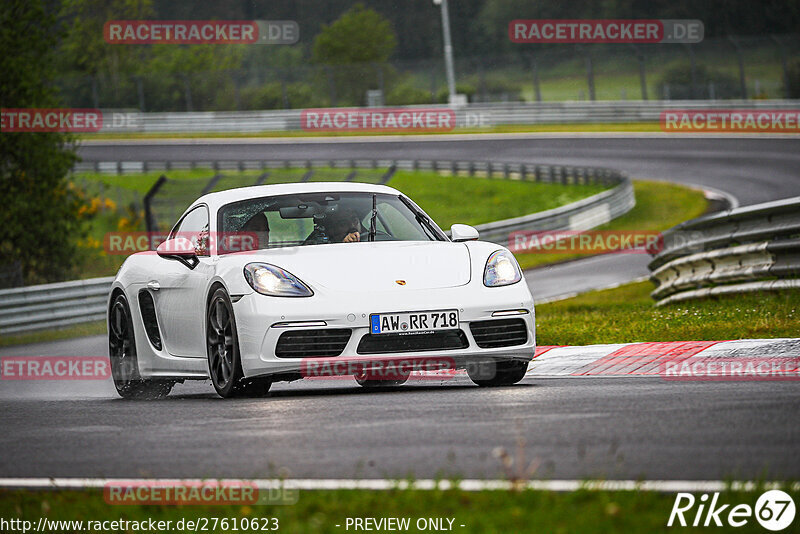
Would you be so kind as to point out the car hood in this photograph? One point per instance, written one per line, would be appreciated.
(366, 267)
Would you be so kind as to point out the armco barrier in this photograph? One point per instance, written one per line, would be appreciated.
(56, 305)
(45, 306)
(754, 248)
(471, 115)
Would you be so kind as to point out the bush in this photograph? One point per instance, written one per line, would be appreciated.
(461, 88)
(793, 89)
(406, 94)
(498, 88)
(270, 96)
(267, 96)
(679, 81)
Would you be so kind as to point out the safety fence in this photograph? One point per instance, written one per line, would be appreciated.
(754, 248)
(46, 306)
(467, 116)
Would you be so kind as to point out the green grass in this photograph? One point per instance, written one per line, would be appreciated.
(627, 314)
(581, 511)
(455, 199)
(81, 330)
(659, 206)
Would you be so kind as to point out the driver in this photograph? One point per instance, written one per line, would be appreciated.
(258, 225)
(341, 226)
(345, 227)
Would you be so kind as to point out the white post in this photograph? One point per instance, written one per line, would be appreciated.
(448, 50)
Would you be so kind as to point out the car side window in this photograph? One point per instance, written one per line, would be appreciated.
(194, 226)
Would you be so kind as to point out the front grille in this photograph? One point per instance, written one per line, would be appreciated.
(392, 343)
(312, 343)
(499, 333)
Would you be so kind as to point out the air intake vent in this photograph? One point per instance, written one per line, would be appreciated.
(148, 310)
(394, 343)
(499, 333)
(317, 343)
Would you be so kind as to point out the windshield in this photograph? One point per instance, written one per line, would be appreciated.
(324, 218)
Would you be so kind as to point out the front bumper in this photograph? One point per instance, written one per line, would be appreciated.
(261, 320)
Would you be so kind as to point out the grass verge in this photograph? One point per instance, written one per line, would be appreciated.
(659, 206)
(321, 511)
(95, 328)
(626, 314)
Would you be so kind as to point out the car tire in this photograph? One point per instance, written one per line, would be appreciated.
(122, 355)
(499, 373)
(222, 347)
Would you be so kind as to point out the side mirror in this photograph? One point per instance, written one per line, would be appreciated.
(180, 249)
(463, 232)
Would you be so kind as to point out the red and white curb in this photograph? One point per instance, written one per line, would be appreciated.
(656, 358)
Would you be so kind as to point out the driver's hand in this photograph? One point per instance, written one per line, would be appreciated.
(352, 237)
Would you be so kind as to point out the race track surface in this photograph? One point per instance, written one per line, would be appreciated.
(575, 428)
(637, 427)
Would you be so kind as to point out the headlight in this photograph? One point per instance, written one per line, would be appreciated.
(501, 270)
(271, 280)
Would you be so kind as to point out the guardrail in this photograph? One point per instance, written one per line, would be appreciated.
(56, 305)
(754, 248)
(471, 115)
(26, 309)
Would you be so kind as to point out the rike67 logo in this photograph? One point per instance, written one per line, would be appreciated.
(774, 510)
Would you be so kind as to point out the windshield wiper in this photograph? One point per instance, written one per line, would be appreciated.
(423, 221)
(372, 225)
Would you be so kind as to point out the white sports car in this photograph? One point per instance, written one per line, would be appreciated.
(281, 282)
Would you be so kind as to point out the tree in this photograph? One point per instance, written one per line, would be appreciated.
(360, 35)
(354, 51)
(103, 69)
(39, 218)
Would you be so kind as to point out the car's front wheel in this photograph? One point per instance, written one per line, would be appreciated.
(122, 353)
(498, 373)
(224, 360)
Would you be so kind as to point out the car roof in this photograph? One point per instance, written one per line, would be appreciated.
(221, 198)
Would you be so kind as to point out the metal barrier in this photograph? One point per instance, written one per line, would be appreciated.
(56, 305)
(25, 309)
(471, 115)
(754, 248)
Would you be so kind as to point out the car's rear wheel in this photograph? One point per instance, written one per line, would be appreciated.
(224, 360)
(122, 353)
(497, 373)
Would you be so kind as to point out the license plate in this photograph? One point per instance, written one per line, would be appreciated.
(413, 322)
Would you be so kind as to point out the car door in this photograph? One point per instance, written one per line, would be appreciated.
(179, 291)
